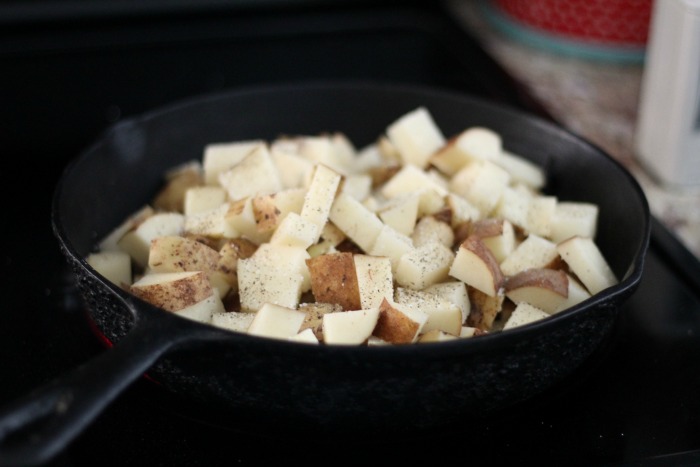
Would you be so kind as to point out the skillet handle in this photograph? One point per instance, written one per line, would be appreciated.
(55, 414)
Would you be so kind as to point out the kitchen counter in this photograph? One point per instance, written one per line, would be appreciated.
(595, 99)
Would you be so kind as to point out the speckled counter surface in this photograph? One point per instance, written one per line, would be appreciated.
(597, 100)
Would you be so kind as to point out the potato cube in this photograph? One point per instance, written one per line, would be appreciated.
(319, 198)
(334, 280)
(472, 143)
(573, 219)
(533, 252)
(481, 183)
(233, 320)
(115, 266)
(374, 279)
(399, 324)
(137, 242)
(203, 310)
(203, 198)
(173, 291)
(401, 213)
(477, 267)
(416, 136)
(276, 321)
(442, 314)
(219, 157)
(349, 327)
(524, 313)
(391, 244)
(256, 174)
(424, 266)
(360, 224)
(587, 262)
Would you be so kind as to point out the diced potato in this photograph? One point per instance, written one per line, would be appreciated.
(401, 213)
(173, 291)
(435, 335)
(573, 219)
(294, 171)
(497, 234)
(540, 215)
(587, 262)
(349, 327)
(399, 324)
(475, 265)
(239, 221)
(442, 315)
(391, 244)
(274, 274)
(522, 170)
(137, 242)
(484, 308)
(576, 294)
(424, 266)
(481, 183)
(429, 230)
(319, 198)
(359, 186)
(374, 279)
(276, 321)
(416, 136)
(210, 223)
(409, 179)
(356, 221)
(115, 266)
(523, 314)
(203, 198)
(454, 292)
(533, 252)
(232, 320)
(472, 143)
(219, 157)
(334, 280)
(178, 180)
(295, 231)
(203, 310)
(111, 241)
(306, 336)
(254, 175)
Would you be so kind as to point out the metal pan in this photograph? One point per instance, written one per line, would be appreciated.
(330, 388)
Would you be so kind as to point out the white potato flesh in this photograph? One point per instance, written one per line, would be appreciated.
(349, 327)
(374, 279)
(219, 157)
(114, 265)
(416, 136)
(588, 263)
(276, 321)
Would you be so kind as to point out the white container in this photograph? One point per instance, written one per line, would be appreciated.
(667, 138)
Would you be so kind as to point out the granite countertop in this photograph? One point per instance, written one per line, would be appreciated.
(596, 99)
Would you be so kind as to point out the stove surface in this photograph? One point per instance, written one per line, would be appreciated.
(63, 82)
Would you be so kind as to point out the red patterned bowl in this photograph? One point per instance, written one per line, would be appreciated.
(602, 27)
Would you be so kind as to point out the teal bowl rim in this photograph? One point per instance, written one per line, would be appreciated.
(591, 50)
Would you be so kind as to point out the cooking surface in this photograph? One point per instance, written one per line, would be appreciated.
(63, 82)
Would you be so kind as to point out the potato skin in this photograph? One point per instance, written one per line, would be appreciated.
(394, 326)
(334, 280)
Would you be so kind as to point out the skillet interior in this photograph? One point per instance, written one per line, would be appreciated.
(401, 387)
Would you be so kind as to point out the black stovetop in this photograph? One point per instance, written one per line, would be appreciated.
(637, 401)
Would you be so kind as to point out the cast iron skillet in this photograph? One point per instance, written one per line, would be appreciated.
(326, 387)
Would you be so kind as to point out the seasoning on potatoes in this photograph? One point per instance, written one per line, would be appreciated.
(418, 237)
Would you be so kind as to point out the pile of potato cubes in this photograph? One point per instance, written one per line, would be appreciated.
(414, 238)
